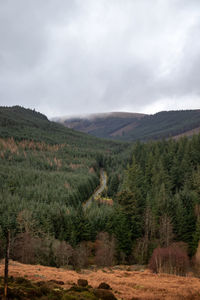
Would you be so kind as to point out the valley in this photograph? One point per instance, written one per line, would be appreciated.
(85, 204)
(100, 150)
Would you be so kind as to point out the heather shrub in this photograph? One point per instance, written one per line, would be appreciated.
(172, 260)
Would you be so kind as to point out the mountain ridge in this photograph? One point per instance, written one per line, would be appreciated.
(100, 115)
(128, 126)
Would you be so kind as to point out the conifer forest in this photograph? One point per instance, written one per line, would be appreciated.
(48, 173)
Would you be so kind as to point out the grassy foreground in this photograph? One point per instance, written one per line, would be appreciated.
(127, 283)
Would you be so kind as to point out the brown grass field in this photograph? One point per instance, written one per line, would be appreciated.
(125, 284)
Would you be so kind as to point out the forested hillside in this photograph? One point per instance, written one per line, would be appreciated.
(164, 124)
(160, 198)
(46, 177)
(46, 172)
(133, 127)
(102, 125)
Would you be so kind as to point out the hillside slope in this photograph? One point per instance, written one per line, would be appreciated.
(25, 124)
(46, 172)
(126, 283)
(22, 123)
(47, 176)
(165, 124)
(105, 125)
(132, 126)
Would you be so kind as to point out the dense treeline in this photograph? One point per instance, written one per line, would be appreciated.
(50, 181)
(157, 204)
(160, 196)
(47, 172)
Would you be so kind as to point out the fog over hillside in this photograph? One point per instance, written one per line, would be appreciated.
(134, 126)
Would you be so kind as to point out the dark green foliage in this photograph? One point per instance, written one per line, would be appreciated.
(46, 173)
(164, 180)
(122, 231)
(113, 184)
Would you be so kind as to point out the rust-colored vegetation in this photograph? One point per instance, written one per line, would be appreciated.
(11, 149)
(104, 200)
(124, 281)
(172, 260)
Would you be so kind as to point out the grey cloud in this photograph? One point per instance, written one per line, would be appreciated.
(183, 80)
(74, 57)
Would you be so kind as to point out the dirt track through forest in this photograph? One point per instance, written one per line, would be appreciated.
(100, 189)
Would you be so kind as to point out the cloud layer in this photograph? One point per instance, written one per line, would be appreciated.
(73, 57)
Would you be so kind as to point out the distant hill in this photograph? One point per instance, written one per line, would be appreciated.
(104, 125)
(22, 123)
(135, 126)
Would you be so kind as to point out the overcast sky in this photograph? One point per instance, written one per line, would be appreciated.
(65, 57)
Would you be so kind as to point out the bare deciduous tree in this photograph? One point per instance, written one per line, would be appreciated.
(166, 231)
(82, 254)
(23, 248)
(104, 249)
(141, 247)
(63, 252)
(172, 260)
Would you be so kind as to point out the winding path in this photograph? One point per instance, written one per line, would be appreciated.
(99, 190)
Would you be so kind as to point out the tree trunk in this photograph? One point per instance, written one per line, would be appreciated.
(7, 252)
